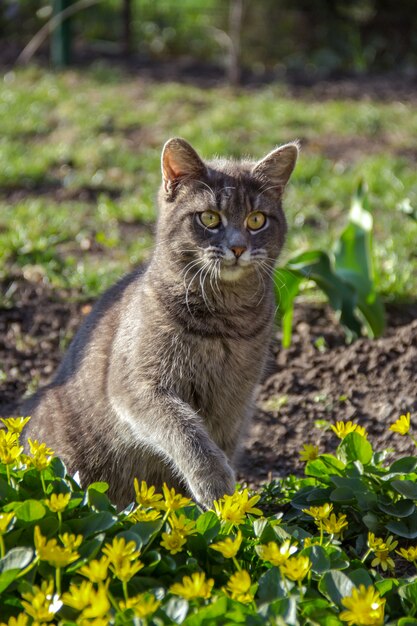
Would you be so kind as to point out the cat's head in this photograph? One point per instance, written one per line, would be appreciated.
(224, 215)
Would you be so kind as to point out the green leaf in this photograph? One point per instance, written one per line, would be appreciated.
(405, 465)
(176, 609)
(12, 564)
(406, 527)
(93, 523)
(407, 488)
(208, 614)
(208, 525)
(354, 264)
(402, 508)
(335, 585)
(271, 586)
(146, 530)
(360, 577)
(98, 500)
(101, 487)
(287, 285)
(29, 510)
(318, 557)
(324, 466)
(407, 621)
(345, 495)
(354, 447)
(317, 266)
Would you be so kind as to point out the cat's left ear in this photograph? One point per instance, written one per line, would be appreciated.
(277, 167)
(179, 161)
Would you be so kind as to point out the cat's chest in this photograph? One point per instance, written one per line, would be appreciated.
(216, 376)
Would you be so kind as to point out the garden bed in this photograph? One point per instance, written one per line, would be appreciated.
(318, 378)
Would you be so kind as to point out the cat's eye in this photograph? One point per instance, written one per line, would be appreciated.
(256, 220)
(210, 219)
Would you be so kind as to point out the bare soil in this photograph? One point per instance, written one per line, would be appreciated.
(318, 378)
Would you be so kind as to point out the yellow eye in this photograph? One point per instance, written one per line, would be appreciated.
(210, 219)
(256, 220)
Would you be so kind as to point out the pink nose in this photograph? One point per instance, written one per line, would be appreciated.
(238, 251)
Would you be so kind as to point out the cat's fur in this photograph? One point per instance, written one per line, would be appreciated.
(159, 381)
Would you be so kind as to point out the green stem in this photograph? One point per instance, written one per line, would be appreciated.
(2, 547)
(59, 522)
(43, 482)
(366, 555)
(235, 561)
(321, 533)
(125, 593)
(8, 475)
(58, 580)
(28, 568)
(414, 440)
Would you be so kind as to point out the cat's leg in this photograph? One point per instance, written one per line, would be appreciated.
(172, 429)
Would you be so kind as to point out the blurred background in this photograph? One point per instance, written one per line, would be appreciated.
(264, 38)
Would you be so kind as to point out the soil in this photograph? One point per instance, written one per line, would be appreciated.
(318, 378)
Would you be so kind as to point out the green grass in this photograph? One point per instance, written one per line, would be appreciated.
(101, 131)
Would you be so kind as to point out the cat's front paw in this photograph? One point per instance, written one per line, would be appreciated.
(218, 483)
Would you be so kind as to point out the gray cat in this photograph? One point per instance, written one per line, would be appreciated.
(159, 381)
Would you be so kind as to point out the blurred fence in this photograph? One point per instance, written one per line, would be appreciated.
(323, 36)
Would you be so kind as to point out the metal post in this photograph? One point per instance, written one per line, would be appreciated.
(61, 36)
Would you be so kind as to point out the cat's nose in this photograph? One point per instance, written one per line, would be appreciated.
(238, 250)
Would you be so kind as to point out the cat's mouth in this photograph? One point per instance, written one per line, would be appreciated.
(233, 270)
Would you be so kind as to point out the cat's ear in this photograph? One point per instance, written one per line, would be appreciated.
(276, 168)
(179, 161)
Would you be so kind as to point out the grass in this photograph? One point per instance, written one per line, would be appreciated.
(79, 169)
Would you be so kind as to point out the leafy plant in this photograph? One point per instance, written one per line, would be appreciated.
(345, 276)
(326, 556)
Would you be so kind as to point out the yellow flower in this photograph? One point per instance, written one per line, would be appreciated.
(41, 454)
(93, 603)
(146, 496)
(402, 425)
(309, 452)
(173, 541)
(239, 587)
(78, 597)
(58, 502)
(194, 586)
(71, 541)
(296, 567)
(15, 424)
(95, 570)
(140, 515)
(382, 556)
(51, 552)
(344, 428)
(275, 554)
(99, 605)
(173, 501)
(234, 508)
(229, 547)
(5, 520)
(319, 513)
(143, 605)
(121, 556)
(10, 450)
(229, 511)
(410, 554)
(334, 525)
(39, 604)
(365, 607)
(374, 542)
(182, 525)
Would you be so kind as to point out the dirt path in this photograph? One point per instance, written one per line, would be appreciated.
(318, 378)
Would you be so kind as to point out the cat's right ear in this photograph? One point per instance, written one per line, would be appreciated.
(179, 161)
